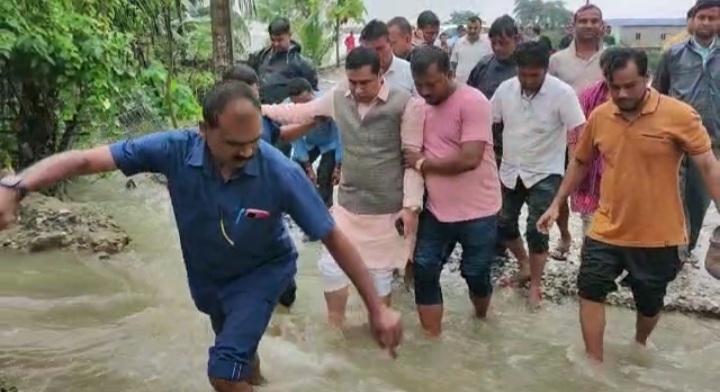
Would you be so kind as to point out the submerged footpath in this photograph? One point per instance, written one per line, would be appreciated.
(693, 292)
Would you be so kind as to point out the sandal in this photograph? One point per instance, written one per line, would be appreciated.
(560, 252)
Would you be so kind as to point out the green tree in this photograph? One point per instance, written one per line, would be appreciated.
(80, 71)
(316, 23)
(547, 14)
(460, 17)
(341, 12)
(65, 66)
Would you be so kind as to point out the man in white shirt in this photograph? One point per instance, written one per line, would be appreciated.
(536, 111)
(468, 50)
(375, 35)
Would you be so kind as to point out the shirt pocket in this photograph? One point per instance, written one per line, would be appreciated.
(654, 145)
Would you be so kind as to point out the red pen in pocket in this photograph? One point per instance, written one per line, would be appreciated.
(256, 214)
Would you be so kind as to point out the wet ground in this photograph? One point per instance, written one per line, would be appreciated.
(70, 323)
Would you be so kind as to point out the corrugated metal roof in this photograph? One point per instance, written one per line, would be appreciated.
(646, 22)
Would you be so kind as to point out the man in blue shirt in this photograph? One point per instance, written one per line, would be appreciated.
(229, 190)
(272, 133)
(322, 141)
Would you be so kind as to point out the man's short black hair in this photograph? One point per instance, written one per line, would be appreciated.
(474, 19)
(401, 23)
(373, 30)
(537, 29)
(425, 57)
(503, 26)
(428, 18)
(587, 7)
(532, 55)
(702, 5)
(242, 73)
(618, 57)
(279, 26)
(221, 95)
(298, 86)
(361, 57)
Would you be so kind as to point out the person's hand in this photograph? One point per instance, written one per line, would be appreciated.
(9, 205)
(387, 329)
(336, 175)
(547, 220)
(311, 174)
(320, 120)
(410, 222)
(410, 158)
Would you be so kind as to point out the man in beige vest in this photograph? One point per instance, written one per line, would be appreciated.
(378, 199)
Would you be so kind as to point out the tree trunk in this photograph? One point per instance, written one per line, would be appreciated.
(337, 42)
(171, 66)
(37, 124)
(220, 15)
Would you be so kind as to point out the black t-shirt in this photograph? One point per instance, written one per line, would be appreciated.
(565, 41)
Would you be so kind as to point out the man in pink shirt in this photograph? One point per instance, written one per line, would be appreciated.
(462, 183)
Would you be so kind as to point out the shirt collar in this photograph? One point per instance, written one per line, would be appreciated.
(697, 46)
(649, 106)
(199, 157)
(393, 65)
(573, 49)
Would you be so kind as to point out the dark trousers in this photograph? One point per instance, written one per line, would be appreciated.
(284, 147)
(324, 173)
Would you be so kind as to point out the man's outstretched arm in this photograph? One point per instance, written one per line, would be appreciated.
(149, 153)
(56, 168)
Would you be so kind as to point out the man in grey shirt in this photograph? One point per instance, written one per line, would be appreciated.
(690, 72)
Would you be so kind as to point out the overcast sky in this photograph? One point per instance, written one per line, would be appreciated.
(490, 9)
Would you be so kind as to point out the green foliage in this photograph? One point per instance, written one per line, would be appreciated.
(79, 71)
(461, 17)
(547, 14)
(315, 22)
(183, 97)
(67, 65)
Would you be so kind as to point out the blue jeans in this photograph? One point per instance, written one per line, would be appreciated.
(477, 238)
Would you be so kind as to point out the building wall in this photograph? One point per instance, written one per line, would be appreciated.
(648, 36)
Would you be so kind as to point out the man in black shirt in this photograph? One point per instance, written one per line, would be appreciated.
(494, 69)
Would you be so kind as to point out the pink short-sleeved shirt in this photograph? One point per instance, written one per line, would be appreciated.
(466, 116)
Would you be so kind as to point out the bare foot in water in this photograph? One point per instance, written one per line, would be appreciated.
(520, 278)
(534, 297)
(256, 378)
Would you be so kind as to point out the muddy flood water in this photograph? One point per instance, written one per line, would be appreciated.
(78, 324)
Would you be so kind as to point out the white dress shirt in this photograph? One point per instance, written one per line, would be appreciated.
(535, 129)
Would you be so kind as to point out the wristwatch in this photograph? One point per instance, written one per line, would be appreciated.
(14, 183)
(414, 209)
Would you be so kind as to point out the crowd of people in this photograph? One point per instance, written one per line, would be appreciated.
(431, 147)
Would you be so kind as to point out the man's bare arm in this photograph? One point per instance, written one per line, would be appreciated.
(468, 158)
(53, 169)
(709, 168)
(292, 132)
(574, 175)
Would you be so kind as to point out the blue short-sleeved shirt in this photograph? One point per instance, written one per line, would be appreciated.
(271, 131)
(216, 252)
